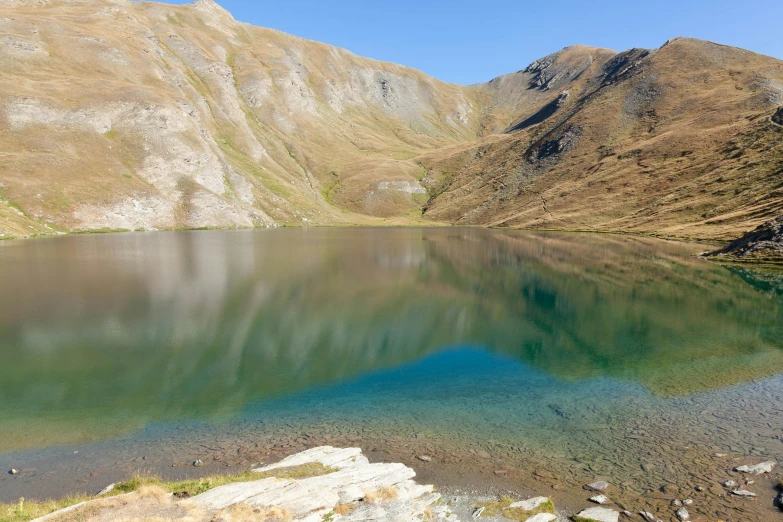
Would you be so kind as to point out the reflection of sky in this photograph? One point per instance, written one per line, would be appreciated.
(148, 328)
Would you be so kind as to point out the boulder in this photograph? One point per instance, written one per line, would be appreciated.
(599, 486)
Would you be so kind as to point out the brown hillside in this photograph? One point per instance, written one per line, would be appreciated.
(137, 115)
(676, 141)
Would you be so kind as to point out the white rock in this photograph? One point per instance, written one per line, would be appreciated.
(729, 483)
(743, 493)
(649, 517)
(599, 486)
(599, 499)
(107, 489)
(542, 517)
(424, 458)
(337, 458)
(599, 514)
(757, 469)
(14, 471)
(687, 502)
(529, 504)
(478, 512)
(310, 499)
(683, 514)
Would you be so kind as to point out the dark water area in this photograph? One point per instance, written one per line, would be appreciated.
(582, 355)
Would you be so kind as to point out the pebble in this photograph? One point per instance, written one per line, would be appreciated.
(424, 458)
(599, 499)
(676, 502)
(198, 463)
(649, 517)
(683, 514)
(699, 488)
(687, 502)
(729, 483)
(599, 486)
(743, 493)
(14, 471)
(670, 489)
(478, 512)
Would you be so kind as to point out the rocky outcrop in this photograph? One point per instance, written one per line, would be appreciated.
(353, 490)
(766, 241)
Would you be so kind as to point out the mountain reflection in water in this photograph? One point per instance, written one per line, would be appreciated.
(103, 335)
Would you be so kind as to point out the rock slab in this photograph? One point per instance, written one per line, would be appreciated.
(599, 514)
(312, 499)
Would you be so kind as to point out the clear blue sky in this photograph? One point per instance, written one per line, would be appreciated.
(473, 41)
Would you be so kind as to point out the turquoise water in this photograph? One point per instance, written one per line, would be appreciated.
(145, 350)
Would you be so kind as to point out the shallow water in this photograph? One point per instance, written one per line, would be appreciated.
(587, 354)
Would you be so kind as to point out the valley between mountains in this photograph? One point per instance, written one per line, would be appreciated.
(120, 115)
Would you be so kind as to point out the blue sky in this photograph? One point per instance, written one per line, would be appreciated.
(471, 41)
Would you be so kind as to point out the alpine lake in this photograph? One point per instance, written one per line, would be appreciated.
(521, 360)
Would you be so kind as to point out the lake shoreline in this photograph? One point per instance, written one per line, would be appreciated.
(467, 489)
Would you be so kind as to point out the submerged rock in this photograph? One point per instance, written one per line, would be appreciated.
(598, 514)
(757, 469)
(599, 486)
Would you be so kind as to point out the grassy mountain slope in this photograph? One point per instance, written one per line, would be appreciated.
(125, 115)
(677, 141)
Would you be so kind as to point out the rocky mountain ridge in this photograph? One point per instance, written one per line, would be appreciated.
(138, 116)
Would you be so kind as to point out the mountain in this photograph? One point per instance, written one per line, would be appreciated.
(138, 115)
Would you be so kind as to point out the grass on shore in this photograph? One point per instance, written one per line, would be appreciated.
(23, 511)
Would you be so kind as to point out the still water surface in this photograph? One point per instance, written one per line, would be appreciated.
(596, 352)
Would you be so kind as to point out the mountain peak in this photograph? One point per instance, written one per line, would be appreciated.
(213, 10)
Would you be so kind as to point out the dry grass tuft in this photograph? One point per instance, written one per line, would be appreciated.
(243, 512)
(154, 492)
(381, 495)
(344, 509)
